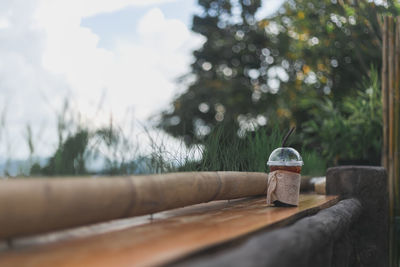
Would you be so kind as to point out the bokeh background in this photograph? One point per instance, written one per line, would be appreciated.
(134, 86)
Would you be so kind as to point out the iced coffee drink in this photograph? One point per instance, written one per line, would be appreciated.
(284, 178)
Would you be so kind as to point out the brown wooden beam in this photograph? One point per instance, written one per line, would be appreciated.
(31, 206)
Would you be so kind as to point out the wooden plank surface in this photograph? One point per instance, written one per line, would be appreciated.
(176, 234)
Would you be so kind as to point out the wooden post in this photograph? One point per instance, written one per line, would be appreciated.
(396, 117)
(390, 108)
(390, 82)
(384, 81)
(396, 144)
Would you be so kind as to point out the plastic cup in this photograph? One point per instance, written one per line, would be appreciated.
(285, 159)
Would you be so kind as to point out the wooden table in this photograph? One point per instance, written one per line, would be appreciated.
(168, 236)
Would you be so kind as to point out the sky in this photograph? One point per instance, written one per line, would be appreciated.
(118, 59)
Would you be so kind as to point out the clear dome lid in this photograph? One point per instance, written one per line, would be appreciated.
(285, 156)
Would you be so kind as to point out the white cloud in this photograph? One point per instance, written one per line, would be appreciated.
(139, 74)
(4, 23)
(23, 80)
(78, 9)
(47, 54)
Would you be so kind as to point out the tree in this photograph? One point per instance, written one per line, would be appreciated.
(331, 48)
(249, 72)
(225, 71)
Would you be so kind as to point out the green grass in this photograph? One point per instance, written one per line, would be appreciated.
(314, 164)
(223, 151)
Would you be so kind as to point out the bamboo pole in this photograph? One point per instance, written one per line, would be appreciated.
(384, 81)
(395, 175)
(391, 121)
(396, 117)
(389, 167)
(391, 61)
(31, 206)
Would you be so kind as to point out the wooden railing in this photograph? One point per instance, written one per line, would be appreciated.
(354, 232)
(348, 227)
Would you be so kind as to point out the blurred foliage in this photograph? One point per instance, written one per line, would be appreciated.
(80, 146)
(314, 163)
(276, 70)
(331, 46)
(220, 151)
(250, 81)
(223, 152)
(226, 153)
(222, 90)
(115, 148)
(350, 130)
(69, 159)
(108, 150)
